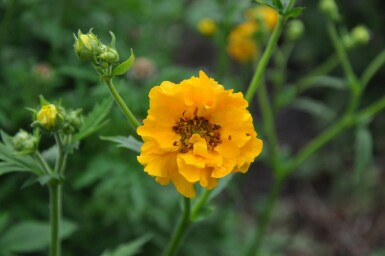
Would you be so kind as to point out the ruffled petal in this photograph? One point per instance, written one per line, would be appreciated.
(183, 186)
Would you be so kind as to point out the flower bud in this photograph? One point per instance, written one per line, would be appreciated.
(361, 34)
(295, 29)
(47, 116)
(207, 26)
(330, 9)
(87, 45)
(25, 142)
(108, 54)
(72, 121)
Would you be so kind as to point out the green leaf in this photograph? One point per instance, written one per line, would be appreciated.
(295, 12)
(266, 2)
(278, 5)
(4, 220)
(315, 108)
(125, 142)
(124, 66)
(32, 236)
(94, 120)
(130, 248)
(363, 151)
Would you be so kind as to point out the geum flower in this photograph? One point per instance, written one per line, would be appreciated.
(196, 131)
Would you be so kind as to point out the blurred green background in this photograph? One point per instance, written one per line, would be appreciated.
(109, 200)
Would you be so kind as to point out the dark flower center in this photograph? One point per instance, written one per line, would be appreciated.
(186, 127)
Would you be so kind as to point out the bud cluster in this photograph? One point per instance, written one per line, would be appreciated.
(359, 35)
(25, 142)
(89, 48)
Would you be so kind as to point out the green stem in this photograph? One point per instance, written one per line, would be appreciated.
(317, 143)
(343, 57)
(43, 164)
(199, 204)
(126, 111)
(328, 65)
(256, 80)
(55, 212)
(60, 154)
(372, 68)
(265, 215)
(180, 230)
(370, 111)
(269, 126)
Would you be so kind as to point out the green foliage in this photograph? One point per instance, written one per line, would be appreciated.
(124, 66)
(31, 236)
(125, 142)
(94, 120)
(130, 248)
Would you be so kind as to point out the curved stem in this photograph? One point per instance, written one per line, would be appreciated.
(328, 65)
(372, 68)
(342, 55)
(256, 80)
(265, 215)
(43, 164)
(55, 212)
(126, 111)
(180, 230)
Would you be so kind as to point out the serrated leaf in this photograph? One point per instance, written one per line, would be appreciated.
(363, 151)
(315, 108)
(124, 66)
(32, 236)
(94, 120)
(294, 12)
(125, 142)
(130, 248)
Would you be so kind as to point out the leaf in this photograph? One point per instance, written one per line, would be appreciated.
(363, 151)
(294, 12)
(315, 108)
(125, 142)
(278, 5)
(94, 120)
(32, 236)
(124, 66)
(266, 2)
(130, 248)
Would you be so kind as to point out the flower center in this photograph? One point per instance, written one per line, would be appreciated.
(186, 127)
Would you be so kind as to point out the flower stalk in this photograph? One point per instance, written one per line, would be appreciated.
(122, 105)
(180, 230)
(55, 218)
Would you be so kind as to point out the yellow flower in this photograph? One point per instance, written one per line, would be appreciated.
(241, 45)
(207, 26)
(268, 16)
(47, 116)
(196, 131)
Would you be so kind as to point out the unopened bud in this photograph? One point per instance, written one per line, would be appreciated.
(87, 45)
(361, 34)
(72, 121)
(108, 54)
(47, 116)
(330, 9)
(207, 26)
(295, 29)
(25, 142)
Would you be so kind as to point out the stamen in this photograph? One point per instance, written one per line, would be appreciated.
(196, 125)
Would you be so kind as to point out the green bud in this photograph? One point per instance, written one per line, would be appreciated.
(25, 142)
(361, 34)
(108, 54)
(348, 41)
(87, 46)
(72, 121)
(330, 9)
(295, 29)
